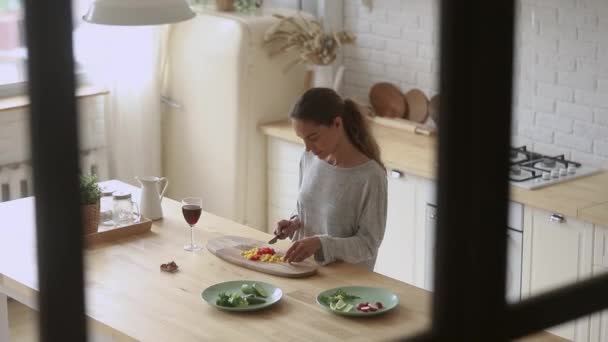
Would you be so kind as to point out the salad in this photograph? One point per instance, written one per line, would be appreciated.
(250, 295)
(344, 302)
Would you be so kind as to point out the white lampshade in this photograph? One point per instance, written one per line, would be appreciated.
(138, 12)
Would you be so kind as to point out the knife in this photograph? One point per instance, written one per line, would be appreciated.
(276, 237)
(273, 240)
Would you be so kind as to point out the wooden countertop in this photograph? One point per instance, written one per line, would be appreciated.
(129, 299)
(415, 154)
(597, 214)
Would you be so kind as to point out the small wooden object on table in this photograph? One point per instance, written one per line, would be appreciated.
(229, 248)
(170, 267)
(108, 234)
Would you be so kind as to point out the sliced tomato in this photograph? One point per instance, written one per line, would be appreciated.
(266, 250)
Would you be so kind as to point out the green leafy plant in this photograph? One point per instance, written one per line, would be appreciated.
(89, 190)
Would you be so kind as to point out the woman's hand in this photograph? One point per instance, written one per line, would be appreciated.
(302, 249)
(286, 227)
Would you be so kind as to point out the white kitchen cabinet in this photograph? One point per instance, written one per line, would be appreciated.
(557, 252)
(599, 321)
(396, 257)
(424, 229)
(600, 251)
(283, 179)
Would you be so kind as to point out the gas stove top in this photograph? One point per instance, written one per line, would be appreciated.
(531, 170)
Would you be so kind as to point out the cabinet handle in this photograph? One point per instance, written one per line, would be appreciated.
(558, 218)
(396, 174)
(170, 102)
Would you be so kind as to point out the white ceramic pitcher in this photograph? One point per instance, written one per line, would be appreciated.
(150, 197)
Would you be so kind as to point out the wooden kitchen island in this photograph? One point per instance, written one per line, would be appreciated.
(128, 298)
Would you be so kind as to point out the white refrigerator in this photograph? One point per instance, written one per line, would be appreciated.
(222, 85)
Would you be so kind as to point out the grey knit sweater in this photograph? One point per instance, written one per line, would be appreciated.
(345, 207)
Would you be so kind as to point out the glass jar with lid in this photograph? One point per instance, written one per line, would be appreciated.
(122, 210)
(106, 207)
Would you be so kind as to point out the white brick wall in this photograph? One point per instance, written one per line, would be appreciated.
(402, 37)
(561, 71)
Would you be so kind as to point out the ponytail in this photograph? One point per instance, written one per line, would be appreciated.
(359, 133)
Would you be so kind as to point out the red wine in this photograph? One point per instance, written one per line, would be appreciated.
(191, 213)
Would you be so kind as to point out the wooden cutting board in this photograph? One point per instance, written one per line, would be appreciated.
(229, 248)
(418, 105)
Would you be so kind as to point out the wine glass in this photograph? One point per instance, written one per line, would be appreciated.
(192, 208)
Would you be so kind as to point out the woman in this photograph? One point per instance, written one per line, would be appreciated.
(342, 199)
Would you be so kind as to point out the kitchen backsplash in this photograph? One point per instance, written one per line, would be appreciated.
(561, 69)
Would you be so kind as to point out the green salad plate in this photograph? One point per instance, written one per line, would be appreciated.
(354, 296)
(261, 295)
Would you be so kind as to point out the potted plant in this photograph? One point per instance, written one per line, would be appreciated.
(90, 193)
(315, 48)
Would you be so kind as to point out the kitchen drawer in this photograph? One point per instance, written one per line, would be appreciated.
(600, 250)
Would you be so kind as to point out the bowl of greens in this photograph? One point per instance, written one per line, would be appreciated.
(242, 295)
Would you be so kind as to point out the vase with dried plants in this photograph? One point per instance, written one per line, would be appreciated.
(90, 193)
(315, 48)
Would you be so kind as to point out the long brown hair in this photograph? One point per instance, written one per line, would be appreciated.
(323, 105)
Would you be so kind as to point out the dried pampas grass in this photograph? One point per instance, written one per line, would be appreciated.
(307, 37)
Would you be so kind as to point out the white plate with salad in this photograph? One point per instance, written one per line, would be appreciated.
(358, 300)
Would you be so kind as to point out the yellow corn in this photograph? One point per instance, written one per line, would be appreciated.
(264, 258)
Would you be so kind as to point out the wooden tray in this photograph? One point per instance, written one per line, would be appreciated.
(229, 248)
(109, 234)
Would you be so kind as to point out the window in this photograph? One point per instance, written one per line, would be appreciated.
(13, 45)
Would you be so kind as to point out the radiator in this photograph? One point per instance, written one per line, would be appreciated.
(16, 178)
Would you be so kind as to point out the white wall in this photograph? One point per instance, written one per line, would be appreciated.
(561, 91)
